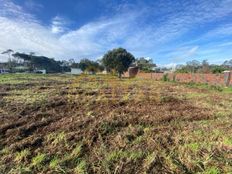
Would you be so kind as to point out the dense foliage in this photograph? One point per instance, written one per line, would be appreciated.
(203, 67)
(39, 62)
(115, 61)
(145, 65)
(118, 60)
(90, 66)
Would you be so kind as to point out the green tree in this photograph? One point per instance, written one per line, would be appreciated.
(227, 64)
(193, 66)
(11, 63)
(9, 52)
(145, 64)
(90, 66)
(217, 69)
(205, 67)
(118, 59)
(39, 62)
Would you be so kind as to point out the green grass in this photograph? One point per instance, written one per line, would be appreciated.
(38, 160)
(31, 78)
(107, 125)
(228, 141)
(22, 155)
(119, 154)
(217, 88)
(54, 163)
(81, 168)
(193, 146)
(212, 170)
(77, 151)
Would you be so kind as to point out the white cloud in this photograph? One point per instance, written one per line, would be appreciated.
(59, 25)
(32, 5)
(225, 44)
(131, 27)
(182, 54)
(221, 31)
(169, 65)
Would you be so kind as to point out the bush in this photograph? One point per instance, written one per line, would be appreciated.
(165, 78)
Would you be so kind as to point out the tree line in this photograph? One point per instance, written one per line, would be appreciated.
(115, 61)
(195, 66)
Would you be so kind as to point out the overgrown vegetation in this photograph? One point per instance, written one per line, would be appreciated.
(100, 124)
(195, 66)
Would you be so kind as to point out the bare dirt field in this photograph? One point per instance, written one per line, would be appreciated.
(100, 124)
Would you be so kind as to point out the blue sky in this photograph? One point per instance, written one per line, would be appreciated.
(168, 31)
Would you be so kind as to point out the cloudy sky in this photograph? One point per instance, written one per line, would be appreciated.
(168, 31)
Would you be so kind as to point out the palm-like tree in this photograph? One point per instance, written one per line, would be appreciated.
(9, 52)
(10, 63)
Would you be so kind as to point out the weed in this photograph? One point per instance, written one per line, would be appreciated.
(185, 130)
(216, 88)
(54, 163)
(119, 154)
(90, 113)
(77, 151)
(20, 169)
(57, 139)
(115, 156)
(193, 146)
(38, 160)
(134, 156)
(149, 160)
(5, 151)
(81, 168)
(212, 170)
(228, 141)
(165, 78)
(205, 86)
(20, 156)
(107, 128)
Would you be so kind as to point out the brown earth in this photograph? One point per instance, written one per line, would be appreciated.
(99, 124)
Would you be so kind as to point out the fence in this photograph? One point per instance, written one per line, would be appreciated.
(224, 79)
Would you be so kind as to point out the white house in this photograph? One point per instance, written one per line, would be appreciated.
(76, 71)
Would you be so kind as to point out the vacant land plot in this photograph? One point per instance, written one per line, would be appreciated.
(100, 124)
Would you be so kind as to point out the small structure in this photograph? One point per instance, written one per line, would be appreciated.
(133, 71)
(76, 71)
(21, 69)
(104, 71)
(41, 71)
(4, 71)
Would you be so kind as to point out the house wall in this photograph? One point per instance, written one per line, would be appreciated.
(76, 71)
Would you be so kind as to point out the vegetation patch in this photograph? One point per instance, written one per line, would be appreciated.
(102, 124)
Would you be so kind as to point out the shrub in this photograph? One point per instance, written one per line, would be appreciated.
(165, 78)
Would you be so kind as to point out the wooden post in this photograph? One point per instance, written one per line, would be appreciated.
(227, 77)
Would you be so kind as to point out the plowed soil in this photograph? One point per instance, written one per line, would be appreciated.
(100, 124)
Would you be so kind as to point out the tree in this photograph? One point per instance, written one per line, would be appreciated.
(145, 64)
(118, 59)
(90, 66)
(217, 69)
(11, 63)
(9, 52)
(205, 66)
(227, 64)
(40, 62)
(193, 65)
